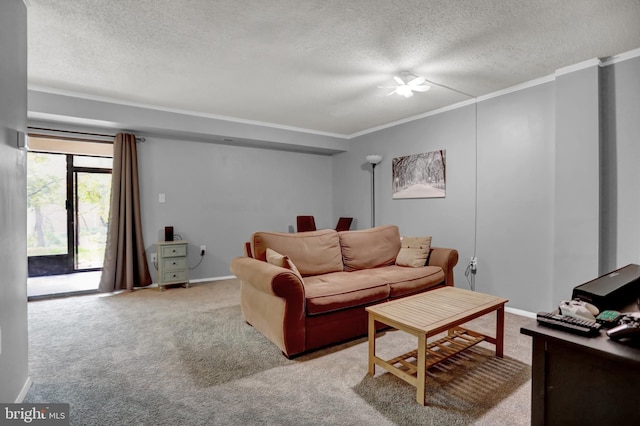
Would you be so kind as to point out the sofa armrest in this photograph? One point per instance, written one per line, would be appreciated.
(268, 278)
(446, 258)
(272, 300)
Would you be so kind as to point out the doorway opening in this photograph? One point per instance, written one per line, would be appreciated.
(68, 192)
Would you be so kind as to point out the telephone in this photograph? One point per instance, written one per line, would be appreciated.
(578, 309)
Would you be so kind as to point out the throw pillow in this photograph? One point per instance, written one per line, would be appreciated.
(275, 258)
(413, 251)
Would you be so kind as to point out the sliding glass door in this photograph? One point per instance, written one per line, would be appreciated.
(48, 231)
(92, 188)
(68, 211)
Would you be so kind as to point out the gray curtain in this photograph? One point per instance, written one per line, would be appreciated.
(125, 264)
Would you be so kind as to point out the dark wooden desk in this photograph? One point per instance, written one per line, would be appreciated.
(582, 380)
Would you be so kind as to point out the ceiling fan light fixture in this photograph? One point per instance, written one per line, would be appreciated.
(405, 91)
(407, 84)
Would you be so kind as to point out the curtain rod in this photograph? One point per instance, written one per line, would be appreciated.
(138, 139)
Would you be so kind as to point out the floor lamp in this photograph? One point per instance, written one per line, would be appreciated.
(373, 160)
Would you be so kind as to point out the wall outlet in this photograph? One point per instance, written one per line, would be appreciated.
(154, 257)
(203, 250)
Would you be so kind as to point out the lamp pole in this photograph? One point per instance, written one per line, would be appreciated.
(373, 160)
(373, 195)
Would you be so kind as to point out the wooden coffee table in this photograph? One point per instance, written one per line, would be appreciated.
(425, 315)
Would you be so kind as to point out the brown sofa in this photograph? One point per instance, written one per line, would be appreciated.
(340, 273)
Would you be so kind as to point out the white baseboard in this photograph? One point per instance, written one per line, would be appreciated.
(25, 389)
(520, 312)
(202, 280)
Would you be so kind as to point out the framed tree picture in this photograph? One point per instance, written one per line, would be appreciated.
(420, 175)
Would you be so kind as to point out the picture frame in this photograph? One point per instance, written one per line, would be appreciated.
(419, 175)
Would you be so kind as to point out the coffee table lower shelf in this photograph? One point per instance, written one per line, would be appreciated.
(405, 366)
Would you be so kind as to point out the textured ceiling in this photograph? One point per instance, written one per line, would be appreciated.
(314, 64)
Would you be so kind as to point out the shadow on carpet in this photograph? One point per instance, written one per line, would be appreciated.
(219, 346)
(459, 390)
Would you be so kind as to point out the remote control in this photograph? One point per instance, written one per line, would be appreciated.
(628, 328)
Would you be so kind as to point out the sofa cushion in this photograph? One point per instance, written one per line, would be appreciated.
(413, 251)
(275, 258)
(341, 290)
(404, 281)
(369, 248)
(316, 252)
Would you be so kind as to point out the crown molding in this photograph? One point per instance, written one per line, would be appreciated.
(413, 118)
(106, 99)
(495, 94)
(517, 87)
(620, 57)
(577, 67)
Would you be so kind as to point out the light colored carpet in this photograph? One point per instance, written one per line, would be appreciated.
(185, 356)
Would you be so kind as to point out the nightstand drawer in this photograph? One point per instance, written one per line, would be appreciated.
(173, 264)
(179, 276)
(176, 250)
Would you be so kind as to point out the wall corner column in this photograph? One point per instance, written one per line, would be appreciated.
(577, 180)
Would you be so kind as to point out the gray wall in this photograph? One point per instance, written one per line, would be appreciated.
(217, 195)
(556, 176)
(620, 159)
(577, 175)
(13, 201)
(449, 220)
(514, 189)
(515, 197)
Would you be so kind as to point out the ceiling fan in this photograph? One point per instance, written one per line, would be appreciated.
(407, 84)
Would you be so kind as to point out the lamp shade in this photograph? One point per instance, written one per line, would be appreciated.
(374, 159)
